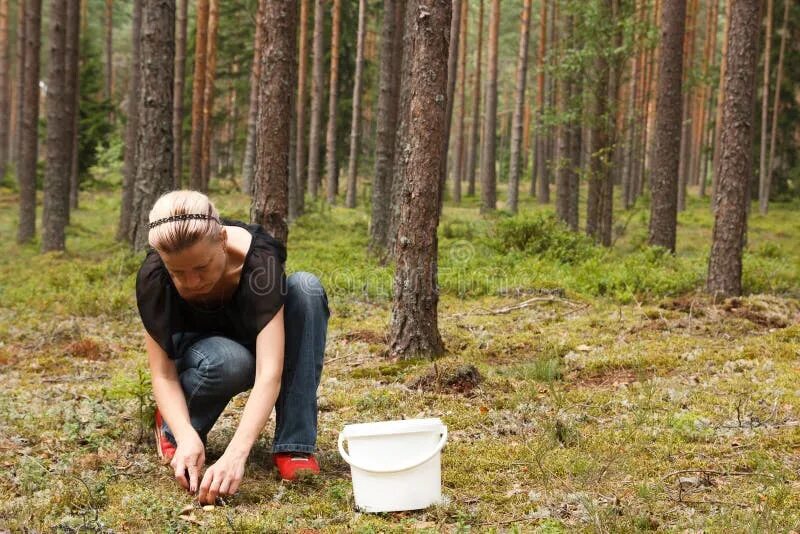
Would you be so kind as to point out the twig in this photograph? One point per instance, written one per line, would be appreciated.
(509, 521)
(718, 473)
(709, 501)
(524, 304)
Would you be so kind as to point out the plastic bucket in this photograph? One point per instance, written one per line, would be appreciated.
(395, 465)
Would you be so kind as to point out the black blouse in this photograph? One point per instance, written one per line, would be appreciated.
(258, 297)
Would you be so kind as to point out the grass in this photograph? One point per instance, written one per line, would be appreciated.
(623, 400)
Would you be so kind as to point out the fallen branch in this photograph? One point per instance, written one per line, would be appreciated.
(708, 472)
(524, 304)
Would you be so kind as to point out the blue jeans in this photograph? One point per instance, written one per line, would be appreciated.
(215, 369)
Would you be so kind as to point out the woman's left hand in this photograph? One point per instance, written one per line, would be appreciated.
(222, 478)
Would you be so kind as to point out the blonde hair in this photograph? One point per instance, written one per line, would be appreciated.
(176, 235)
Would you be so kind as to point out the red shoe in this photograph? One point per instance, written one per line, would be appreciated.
(164, 447)
(291, 464)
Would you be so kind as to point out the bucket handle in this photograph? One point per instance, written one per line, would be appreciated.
(412, 465)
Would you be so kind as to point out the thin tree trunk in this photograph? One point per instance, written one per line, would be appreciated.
(686, 122)
(198, 92)
(331, 165)
(452, 73)
(248, 165)
(538, 171)
(26, 168)
(297, 191)
(55, 207)
(664, 168)
(21, 46)
(109, 50)
(519, 102)
(414, 328)
(458, 175)
(74, 80)
(763, 173)
(154, 141)
(489, 153)
(270, 198)
(720, 101)
(705, 94)
(388, 96)
(132, 127)
(725, 261)
(472, 146)
(315, 128)
(352, 164)
(5, 72)
(208, 92)
(776, 107)
(177, 105)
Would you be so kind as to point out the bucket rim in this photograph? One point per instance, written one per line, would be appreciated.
(386, 428)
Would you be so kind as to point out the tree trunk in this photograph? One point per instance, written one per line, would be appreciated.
(725, 261)
(109, 35)
(21, 46)
(414, 328)
(208, 92)
(519, 102)
(489, 152)
(198, 93)
(315, 128)
(720, 100)
(686, 121)
(775, 108)
(26, 168)
(177, 104)
(388, 96)
(665, 165)
(55, 208)
(331, 165)
(270, 206)
(154, 141)
(538, 171)
(248, 165)
(73, 37)
(352, 164)
(566, 177)
(298, 186)
(709, 53)
(452, 72)
(5, 72)
(132, 127)
(763, 173)
(472, 146)
(462, 90)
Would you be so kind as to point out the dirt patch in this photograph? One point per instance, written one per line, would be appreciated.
(364, 336)
(87, 349)
(610, 377)
(460, 379)
(693, 304)
(764, 310)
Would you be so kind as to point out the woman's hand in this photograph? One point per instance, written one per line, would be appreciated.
(222, 478)
(190, 455)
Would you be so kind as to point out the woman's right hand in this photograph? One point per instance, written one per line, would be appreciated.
(190, 456)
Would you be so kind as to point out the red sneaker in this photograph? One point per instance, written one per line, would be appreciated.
(164, 447)
(291, 464)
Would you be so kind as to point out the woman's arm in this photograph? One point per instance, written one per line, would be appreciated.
(224, 477)
(190, 453)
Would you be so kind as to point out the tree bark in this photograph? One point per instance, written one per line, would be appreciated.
(248, 165)
(763, 173)
(26, 168)
(725, 261)
(154, 141)
(519, 102)
(775, 108)
(198, 92)
(73, 38)
(489, 153)
(21, 46)
(177, 104)
(5, 72)
(352, 164)
(109, 50)
(208, 92)
(665, 165)
(472, 146)
(705, 97)
(298, 186)
(55, 208)
(538, 174)
(452, 73)
(331, 165)
(315, 128)
(132, 127)
(686, 121)
(270, 206)
(388, 96)
(566, 177)
(414, 328)
(458, 176)
(720, 101)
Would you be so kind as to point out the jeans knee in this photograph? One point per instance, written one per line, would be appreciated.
(224, 364)
(306, 292)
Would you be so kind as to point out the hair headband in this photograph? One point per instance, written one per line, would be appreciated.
(182, 217)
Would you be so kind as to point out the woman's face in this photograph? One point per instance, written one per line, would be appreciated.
(196, 270)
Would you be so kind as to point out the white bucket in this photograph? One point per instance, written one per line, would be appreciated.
(396, 465)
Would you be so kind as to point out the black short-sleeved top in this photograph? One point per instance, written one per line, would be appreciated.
(258, 297)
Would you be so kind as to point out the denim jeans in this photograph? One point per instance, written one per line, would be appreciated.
(214, 369)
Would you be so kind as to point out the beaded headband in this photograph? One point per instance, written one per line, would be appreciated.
(182, 217)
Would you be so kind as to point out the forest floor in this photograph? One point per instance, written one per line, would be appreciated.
(584, 390)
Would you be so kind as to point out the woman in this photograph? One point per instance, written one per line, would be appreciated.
(221, 317)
